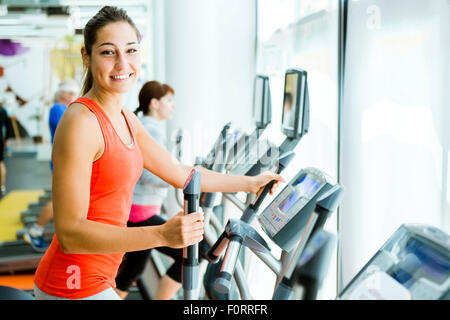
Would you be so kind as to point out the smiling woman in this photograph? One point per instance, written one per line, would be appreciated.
(117, 49)
(115, 63)
(100, 149)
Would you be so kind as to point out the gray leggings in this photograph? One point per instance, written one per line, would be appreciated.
(108, 294)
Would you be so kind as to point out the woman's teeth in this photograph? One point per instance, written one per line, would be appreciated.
(122, 77)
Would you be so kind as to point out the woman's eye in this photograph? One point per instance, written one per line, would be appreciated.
(107, 52)
(132, 50)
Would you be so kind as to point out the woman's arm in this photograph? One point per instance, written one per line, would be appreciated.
(78, 142)
(163, 164)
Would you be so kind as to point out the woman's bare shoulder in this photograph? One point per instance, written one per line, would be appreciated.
(79, 123)
(77, 114)
(79, 110)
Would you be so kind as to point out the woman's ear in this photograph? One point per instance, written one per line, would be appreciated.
(154, 104)
(85, 57)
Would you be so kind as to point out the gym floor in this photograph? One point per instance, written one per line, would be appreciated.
(27, 166)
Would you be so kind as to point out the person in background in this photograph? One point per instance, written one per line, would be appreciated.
(65, 94)
(156, 102)
(4, 134)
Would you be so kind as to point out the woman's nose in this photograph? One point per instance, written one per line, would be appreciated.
(120, 61)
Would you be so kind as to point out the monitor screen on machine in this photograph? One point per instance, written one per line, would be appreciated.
(258, 98)
(307, 187)
(261, 101)
(290, 101)
(291, 202)
(295, 116)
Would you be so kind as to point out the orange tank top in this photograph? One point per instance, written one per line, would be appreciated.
(113, 178)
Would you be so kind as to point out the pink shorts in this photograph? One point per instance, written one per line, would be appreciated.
(140, 213)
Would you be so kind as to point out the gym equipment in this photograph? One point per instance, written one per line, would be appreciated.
(226, 145)
(10, 293)
(312, 267)
(251, 155)
(33, 211)
(289, 220)
(266, 153)
(215, 161)
(239, 232)
(281, 229)
(296, 86)
(190, 271)
(178, 151)
(248, 148)
(229, 146)
(251, 237)
(18, 255)
(158, 263)
(414, 263)
(261, 115)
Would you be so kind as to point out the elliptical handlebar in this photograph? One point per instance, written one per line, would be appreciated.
(190, 271)
(250, 213)
(223, 281)
(233, 243)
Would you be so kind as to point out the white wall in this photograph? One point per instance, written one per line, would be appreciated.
(209, 61)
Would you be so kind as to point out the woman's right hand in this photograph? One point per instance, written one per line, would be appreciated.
(183, 230)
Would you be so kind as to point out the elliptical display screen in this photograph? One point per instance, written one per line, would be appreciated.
(290, 202)
(306, 187)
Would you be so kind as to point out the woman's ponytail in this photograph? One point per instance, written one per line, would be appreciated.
(138, 109)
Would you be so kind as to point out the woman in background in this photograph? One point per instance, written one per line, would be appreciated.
(156, 102)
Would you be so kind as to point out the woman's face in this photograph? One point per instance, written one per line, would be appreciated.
(165, 107)
(115, 58)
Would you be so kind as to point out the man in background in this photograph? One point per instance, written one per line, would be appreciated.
(66, 93)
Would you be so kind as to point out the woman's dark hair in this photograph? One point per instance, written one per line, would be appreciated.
(105, 16)
(150, 90)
